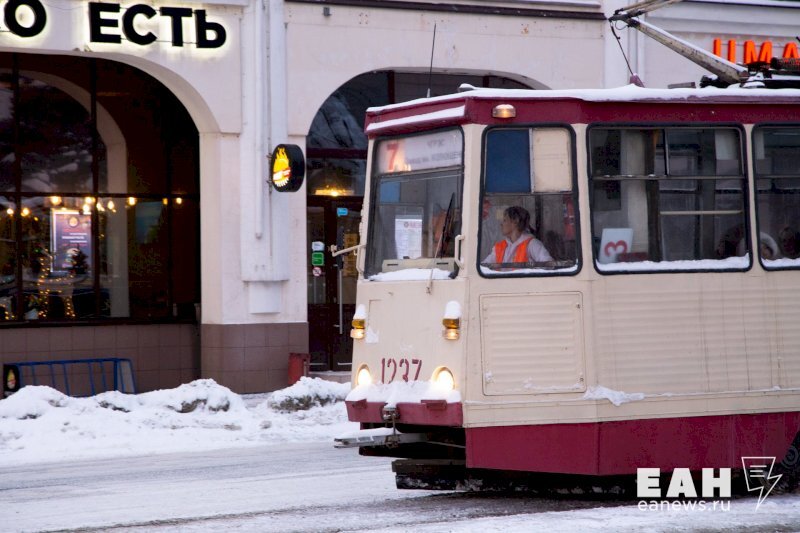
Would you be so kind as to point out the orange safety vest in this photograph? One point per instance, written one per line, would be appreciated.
(520, 254)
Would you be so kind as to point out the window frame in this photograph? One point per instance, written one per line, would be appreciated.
(744, 177)
(759, 176)
(374, 187)
(574, 192)
(173, 313)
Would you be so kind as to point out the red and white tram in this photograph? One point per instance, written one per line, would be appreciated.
(658, 329)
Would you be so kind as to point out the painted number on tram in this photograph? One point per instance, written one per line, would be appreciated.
(404, 369)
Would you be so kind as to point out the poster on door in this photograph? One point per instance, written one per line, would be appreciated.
(70, 241)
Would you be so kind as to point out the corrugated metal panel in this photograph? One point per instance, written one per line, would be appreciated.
(532, 343)
(715, 334)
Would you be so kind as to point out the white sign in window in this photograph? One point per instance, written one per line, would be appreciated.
(408, 237)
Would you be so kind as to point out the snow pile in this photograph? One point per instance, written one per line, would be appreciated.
(307, 393)
(452, 309)
(614, 396)
(402, 392)
(39, 423)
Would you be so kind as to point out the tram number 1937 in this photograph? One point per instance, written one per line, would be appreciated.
(392, 369)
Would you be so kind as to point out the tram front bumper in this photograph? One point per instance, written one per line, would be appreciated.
(425, 413)
(377, 437)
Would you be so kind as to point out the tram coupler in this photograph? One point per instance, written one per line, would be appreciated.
(390, 414)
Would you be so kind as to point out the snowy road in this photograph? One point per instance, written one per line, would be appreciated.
(312, 487)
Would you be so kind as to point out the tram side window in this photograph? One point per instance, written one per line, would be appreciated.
(667, 199)
(528, 213)
(777, 167)
(415, 211)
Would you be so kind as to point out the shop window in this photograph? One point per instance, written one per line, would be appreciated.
(667, 199)
(90, 232)
(55, 140)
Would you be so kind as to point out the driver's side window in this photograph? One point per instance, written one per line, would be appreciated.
(528, 222)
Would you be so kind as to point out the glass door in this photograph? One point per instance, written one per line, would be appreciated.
(331, 281)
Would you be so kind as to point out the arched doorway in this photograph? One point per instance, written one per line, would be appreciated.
(336, 151)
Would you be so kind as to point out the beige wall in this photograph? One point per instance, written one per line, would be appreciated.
(324, 52)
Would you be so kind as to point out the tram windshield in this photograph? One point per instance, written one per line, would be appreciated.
(416, 206)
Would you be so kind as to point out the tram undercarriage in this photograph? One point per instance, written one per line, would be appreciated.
(435, 459)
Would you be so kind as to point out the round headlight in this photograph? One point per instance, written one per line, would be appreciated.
(363, 377)
(444, 379)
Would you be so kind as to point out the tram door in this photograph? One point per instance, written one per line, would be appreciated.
(331, 281)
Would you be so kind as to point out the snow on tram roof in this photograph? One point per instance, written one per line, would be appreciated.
(626, 93)
(446, 108)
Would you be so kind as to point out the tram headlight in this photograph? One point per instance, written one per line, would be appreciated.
(444, 379)
(363, 377)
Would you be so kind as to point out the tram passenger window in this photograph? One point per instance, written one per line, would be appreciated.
(777, 167)
(679, 190)
(415, 211)
(528, 213)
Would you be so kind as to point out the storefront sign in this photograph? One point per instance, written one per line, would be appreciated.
(287, 168)
(110, 22)
(752, 53)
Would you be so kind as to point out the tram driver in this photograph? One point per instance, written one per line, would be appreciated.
(519, 245)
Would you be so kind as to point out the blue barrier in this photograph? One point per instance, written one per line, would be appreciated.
(116, 370)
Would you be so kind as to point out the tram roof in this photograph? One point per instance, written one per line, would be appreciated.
(629, 104)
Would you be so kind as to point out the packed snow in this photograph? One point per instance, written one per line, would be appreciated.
(614, 396)
(411, 274)
(39, 424)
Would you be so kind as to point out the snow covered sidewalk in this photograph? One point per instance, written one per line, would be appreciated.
(40, 424)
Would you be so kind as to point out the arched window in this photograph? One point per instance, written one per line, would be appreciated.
(99, 201)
